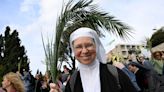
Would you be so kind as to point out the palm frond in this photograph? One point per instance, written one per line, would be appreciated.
(83, 14)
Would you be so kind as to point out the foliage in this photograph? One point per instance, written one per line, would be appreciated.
(82, 14)
(157, 37)
(49, 52)
(148, 43)
(13, 56)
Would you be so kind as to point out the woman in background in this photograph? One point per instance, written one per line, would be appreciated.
(12, 83)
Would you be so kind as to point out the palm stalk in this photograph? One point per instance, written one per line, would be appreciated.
(49, 53)
(83, 14)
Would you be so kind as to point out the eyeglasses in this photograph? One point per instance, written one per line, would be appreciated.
(88, 46)
(157, 55)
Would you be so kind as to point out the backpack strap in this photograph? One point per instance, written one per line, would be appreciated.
(112, 69)
(73, 80)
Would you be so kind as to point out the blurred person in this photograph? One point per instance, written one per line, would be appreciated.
(92, 74)
(38, 82)
(48, 77)
(157, 62)
(45, 85)
(29, 81)
(46, 82)
(140, 73)
(144, 62)
(65, 76)
(131, 56)
(150, 74)
(158, 71)
(13, 83)
(129, 73)
(157, 55)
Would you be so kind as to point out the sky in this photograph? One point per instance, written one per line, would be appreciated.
(33, 17)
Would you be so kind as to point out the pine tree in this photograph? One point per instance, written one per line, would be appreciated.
(13, 54)
(1, 48)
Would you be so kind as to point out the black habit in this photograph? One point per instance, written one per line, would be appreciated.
(107, 81)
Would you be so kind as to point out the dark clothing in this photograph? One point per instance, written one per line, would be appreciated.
(147, 65)
(38, 85)
(141, 80)
(64, 77)
(107, 80)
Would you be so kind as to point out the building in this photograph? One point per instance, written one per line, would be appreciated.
(122, 50)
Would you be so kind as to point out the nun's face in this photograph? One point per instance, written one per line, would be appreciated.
(84, 49)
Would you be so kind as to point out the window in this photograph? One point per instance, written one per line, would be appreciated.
(122, 46)
(124, 52)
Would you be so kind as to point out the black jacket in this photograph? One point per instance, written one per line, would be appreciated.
(107, 80)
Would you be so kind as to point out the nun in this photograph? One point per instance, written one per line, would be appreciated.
(92, 74)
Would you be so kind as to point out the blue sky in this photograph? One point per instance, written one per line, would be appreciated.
(33, 17)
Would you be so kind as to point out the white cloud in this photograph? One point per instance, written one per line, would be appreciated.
(141, 15)
(28, 5)
(45, 23)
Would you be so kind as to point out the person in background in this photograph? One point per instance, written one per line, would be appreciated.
(13, 83)
(129, 73)
(150, 74)
(27, 79)
(46, 81)
(158, 72)
(157, 62)
(140, 73)
(38, 82)
(92, 74)
(147, 64)
(65, 76)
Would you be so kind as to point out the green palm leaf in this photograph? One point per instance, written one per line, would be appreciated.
(83, 14)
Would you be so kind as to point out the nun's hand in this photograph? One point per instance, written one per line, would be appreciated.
(54, 88)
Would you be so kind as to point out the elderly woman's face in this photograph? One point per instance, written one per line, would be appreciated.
(84, 49)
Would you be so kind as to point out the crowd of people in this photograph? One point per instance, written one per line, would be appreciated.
(92, 73)
(148, 73)
(144, 75)
(26, 82)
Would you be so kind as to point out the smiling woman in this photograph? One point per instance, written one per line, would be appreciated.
(92, 74)
(85, 50)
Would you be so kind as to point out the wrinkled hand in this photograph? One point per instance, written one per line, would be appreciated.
(54, 87)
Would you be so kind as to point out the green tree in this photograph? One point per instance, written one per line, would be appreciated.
(82, 14)
(1, 48)
(157, 37)
(13, 53)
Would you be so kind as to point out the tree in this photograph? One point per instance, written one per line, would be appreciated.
(83, 14)
(1, 48)
(12, 53)
(147, 43)
(157, 37)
